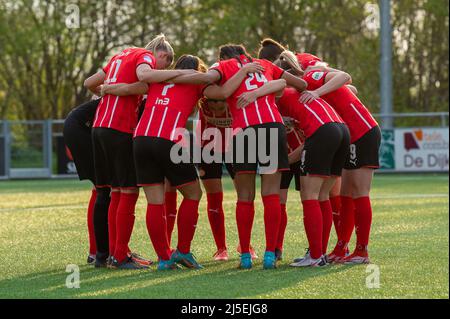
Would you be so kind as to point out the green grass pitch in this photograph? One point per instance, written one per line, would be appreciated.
(43, 229)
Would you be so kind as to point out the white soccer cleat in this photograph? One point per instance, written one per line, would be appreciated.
(299, 259)
(307, 261)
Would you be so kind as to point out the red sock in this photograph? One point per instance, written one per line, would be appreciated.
(327, 222)
(90, 223)
(217, 219)
(336, 206)
(282, 229)
(363, 221)
(156, 227)
(187, 222)
(171, 212)
(312, 220)
(245, 213)
(112, 216)
(272, 216)
(347, 220)
(124, 224)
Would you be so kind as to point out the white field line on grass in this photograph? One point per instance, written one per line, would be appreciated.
(292, 198)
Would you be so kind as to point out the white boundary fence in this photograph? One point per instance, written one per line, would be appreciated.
(34, 149)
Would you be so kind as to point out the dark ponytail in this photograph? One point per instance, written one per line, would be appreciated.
(233, 51)
(188, 62)
(270, 49)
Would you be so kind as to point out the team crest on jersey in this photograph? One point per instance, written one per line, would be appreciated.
(148, 59)
(317, 75)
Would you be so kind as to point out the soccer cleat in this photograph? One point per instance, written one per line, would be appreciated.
(360, 256)
(101, 260)
(310, 262)
(167, 265)
(109, 261)
(270, 260)
(127, 264)
(299, 259)
(336, 256)
(252, 252)
(91, 259)
(187, 260)
(246, 261)
(279, 254)
(338, 253)
(139, 259)
(221, 255)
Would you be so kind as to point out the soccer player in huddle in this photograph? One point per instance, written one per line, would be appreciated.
(214, 118)
(260, 116)
(357, 176)
(113, 128)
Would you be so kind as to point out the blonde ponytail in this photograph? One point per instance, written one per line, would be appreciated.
(291, 59)
(159, 43)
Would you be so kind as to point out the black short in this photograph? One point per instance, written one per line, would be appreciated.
(364, 152)
(246, 152)
(287, 176)
(154, 164)
(214, 170)
(78, 139)
(325, 151)
(113, 158)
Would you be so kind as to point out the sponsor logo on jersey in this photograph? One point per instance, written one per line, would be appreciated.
(317, 75)
(148, 59)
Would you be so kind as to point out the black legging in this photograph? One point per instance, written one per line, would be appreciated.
(101, 222)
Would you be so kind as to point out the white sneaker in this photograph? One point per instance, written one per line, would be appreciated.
(310, 262)
(299, 259)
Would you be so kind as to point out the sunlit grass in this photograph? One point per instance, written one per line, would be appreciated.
(43, 229)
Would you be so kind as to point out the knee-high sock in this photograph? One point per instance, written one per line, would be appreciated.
(156, 227)
(216, 218)
(363, 221)
(312, 220)
(90, 223)
(245, 213)
(336, 206)
(272, 216)
(282, 228)
(186, 223)
(112, 217)
(327, 222)
(171, 212)
(124, 224)
(347, 220)
(101, 222)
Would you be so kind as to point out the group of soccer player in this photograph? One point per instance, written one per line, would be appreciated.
(325, 139)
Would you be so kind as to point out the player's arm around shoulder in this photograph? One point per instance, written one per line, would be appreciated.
(93, 82)
(124, 89)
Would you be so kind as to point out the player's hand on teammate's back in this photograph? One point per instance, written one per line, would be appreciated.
(253, 67)
(246, 98)
(308, 96)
